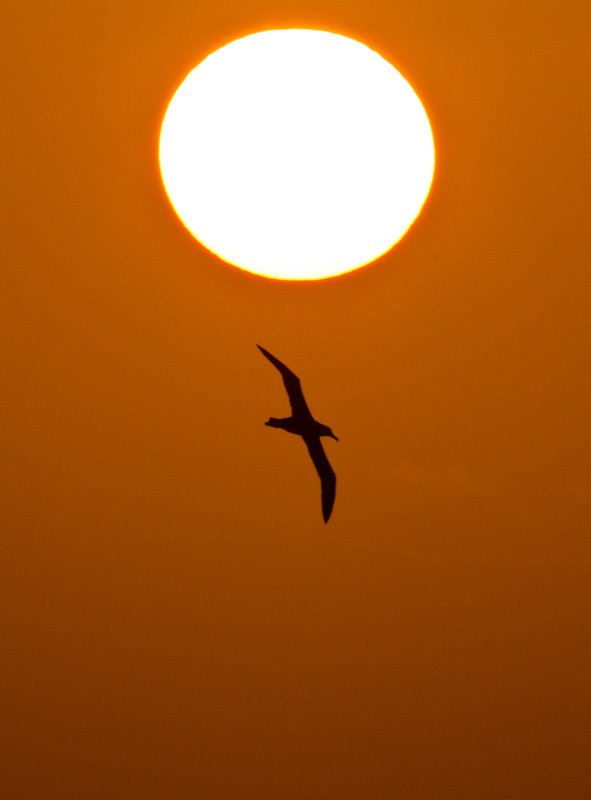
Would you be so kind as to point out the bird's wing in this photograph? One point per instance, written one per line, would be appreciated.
(292, 384)
(328, 479)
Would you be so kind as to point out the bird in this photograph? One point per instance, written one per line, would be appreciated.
(303, 424)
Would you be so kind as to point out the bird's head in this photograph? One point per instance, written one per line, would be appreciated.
(326, 431)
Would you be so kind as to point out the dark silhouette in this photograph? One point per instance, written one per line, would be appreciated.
(303, 424)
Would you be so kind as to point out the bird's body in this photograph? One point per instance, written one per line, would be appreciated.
(303, 424)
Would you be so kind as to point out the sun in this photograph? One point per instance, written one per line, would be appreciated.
(296, 154)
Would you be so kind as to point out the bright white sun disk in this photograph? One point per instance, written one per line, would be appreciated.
(296, 154)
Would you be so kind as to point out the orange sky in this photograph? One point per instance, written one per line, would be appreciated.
(177, 620)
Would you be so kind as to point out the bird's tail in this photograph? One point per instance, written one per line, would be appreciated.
(279, 423)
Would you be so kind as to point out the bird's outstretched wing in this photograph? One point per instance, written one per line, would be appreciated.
(328, 479)
(292, 385)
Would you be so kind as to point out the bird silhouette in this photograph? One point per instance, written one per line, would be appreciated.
(303, 424)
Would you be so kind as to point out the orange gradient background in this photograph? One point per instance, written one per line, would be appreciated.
(177, 620)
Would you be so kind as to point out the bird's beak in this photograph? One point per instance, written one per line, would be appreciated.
(334, 437)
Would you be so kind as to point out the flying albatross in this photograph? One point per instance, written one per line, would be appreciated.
(303, 424)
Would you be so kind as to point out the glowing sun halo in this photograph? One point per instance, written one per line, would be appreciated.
(296, 154)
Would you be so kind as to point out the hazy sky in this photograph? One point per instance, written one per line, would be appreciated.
(177, 620)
